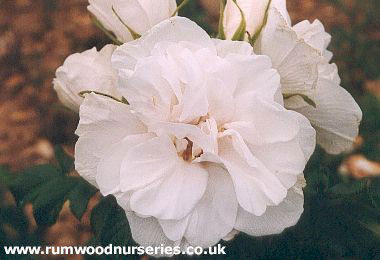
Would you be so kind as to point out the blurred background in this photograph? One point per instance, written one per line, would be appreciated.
(37, 35)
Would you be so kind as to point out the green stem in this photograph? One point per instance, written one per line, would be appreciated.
(83, 93)
(184, 2)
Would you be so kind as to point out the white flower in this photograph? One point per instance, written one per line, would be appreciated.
(138, 15)
(254, 13)
(204, 149)
(89, 70)
(300, 55)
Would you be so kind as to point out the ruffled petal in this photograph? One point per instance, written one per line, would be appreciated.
(296, 61)
(173, 196)
(336, 117)
(214, 216)
(275, 219)
(103, 124)
(256, 186)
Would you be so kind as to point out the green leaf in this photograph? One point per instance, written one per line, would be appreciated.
(28, 180)
(47, 190)
(110, 224)
(373, 191)
(317, 181)
(239, 35)
(50, 199)
(221, 33)
(65, 161)
(347, 189)
(6, 176)
(80, 196)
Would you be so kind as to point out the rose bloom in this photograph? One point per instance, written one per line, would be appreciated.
(204, 149)
(89, 70)
(300, 55)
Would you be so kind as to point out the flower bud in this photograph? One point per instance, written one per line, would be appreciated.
(126, 17)
(90, 70)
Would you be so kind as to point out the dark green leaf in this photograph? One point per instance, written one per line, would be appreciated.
(27, 181)
(110, 224)
(346, 189)
(50, 199)
(6, 176)
(80, 196)
(65, 161)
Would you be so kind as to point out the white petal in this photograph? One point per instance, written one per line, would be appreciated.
(103, 123)
(89, 70)
(207, 142)
(102, 10)
(274, 220)
(313, 34)
(259, 121)
(174, 196)
(177, 29)
(214, 216)
(147, 162)
(254, 13)
(295, 60)
(264, 83)
(336, 117)
(158, 11)
(108, 171)
(256, 187)
(147, 231)
(174, 229)
(225, 47)
(99, 113)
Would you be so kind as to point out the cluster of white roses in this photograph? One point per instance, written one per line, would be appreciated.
(201, 138)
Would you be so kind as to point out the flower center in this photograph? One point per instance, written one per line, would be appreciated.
(186, 149)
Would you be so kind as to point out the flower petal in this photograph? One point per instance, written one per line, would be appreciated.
(256, 187)
(215, 215)
(103, 123)
(147, 231)
(147, 162)
(336, 117)
(175, 195)
(177, 29)
(108, 171)
(274, 220)
(296, 61)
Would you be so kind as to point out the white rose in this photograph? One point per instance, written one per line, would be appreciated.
(204, 149)
(89, 70)
(300, 55)
(138, 15)
(254, 13)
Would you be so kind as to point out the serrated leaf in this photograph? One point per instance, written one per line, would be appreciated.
(50, 199)
(28, 180)
(80, 196)
(65, 161)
